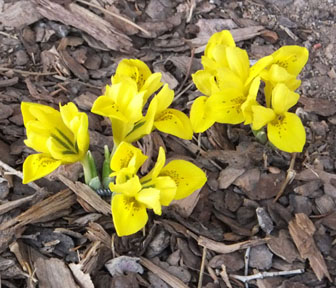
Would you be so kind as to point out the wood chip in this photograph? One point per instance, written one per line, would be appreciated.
(302, 229)
(85, 20)
(49, 208)
(53, 273)
(22, 13)
(82, 278)
(228, 176)
(163, 274)
(88, 195)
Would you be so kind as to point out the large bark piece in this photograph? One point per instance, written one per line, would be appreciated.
(85, 20)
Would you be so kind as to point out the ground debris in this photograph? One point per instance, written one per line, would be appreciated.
(302, 230)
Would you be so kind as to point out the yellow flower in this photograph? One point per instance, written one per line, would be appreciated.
(225, 82)
(133, 196)
(123, 103)
(147, 82)
(286, 65)
(61, 137)
(129, 205)
(284, 129)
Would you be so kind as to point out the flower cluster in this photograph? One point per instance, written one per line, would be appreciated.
(137, 102)
(62, 137)
(230, 87)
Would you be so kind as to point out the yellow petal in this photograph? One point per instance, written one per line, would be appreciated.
(106, 106)
(283, 98)
(139, 72)
(133, 68)
(78, 124)
(152, 84)
(288, 133)
(37, 166)
(160, 162)
(223, 38)
(199, 115)
(150, 197)
(204, 81)
(277, 74)
(226, 78)
(120, 130)
(164, 98)
(167, 187)
(125, 155)
(144, 126)
(129, 216)
(225, 106)
(130, 188)
(174, 122)
(238, 61)
(187, 177)
(48, 116)
(61, 150)
(256, 69)
(37, 136)
(292, 58)
(68, 113)
(82, 136)
(246, 107)
(261, 116)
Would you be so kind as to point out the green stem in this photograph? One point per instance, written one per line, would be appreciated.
(90, 171)
(106, 171)
(86, 168)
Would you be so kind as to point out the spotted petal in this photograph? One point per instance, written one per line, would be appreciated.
(174, 122)
(37, 166)
(288, 133)
(187, 177)
(129, 216)
(292, 58)
(127, 155)
(200, 117)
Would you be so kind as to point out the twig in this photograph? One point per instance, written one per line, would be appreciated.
(27, 72)
(8, 35)
(12, 171)
(179, 94)
(68, 81)
(115, 15)
(289, 178)
(225, 276)
(191, 11)
(222, 248)
(200, 279)
(263, 275)
(246, 260)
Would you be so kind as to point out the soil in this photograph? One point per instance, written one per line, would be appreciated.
(263, 213)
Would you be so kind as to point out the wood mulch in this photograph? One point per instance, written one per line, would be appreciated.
(264, 219)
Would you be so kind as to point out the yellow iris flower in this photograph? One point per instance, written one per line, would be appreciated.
(133, 196)
(138, 71)
(124, 100)
(286, 65)
(61, 137)
(226, 82)
(284, 129)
